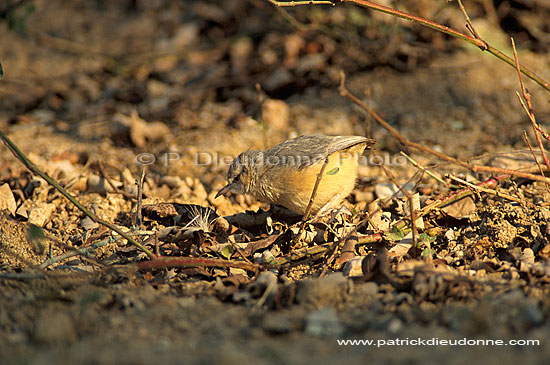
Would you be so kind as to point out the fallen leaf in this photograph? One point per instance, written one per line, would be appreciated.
(460, 209)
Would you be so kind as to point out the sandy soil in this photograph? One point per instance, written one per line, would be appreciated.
(95, 92)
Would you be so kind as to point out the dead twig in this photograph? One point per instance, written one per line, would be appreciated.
(313, 193)
(300, 254)
(529, 107)
(110, 182)
(422, 168)
(240, 252)
(411, 208)
(474, 168)
(413, 224)
(319, 249)
(196, 262)
(478, 42)
(333, 250)
(84, 251)
(485, 190)
(470, 26)
(139, 182)
(490, 183)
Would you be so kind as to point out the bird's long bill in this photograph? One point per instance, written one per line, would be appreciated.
(224, 190)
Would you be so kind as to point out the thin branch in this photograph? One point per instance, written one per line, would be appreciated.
(492, 182)
(474, 168)
(333, 250)
(529, 107)
(196, 262)
(409, 197)
(469, 24)
(315, 250)
(485, 190)
(297, 3)
(517, 66)
(481, 44)
(535, 126)
(414, 228)
(239, 251)
(532, 152)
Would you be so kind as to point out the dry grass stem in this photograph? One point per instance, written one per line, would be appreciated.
(33, 168)
(532, 152)
(422, 168)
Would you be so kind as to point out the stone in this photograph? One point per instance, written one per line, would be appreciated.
(324, 322)
(7, 200)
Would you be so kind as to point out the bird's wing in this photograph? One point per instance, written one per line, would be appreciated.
(308, 150)
(340, 143)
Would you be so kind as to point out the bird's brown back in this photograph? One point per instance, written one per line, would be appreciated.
(310, 149)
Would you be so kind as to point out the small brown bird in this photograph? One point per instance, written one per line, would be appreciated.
(286, 173)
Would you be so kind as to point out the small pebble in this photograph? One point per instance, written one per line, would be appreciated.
(324, 322)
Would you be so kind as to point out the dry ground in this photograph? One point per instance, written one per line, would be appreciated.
(95, 91)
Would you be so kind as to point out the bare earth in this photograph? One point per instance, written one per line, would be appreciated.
(94, 92)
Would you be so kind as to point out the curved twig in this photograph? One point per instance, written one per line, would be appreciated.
(476, 40)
